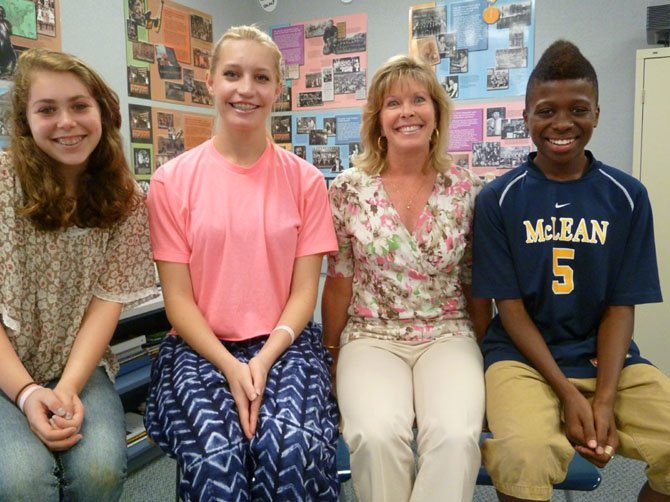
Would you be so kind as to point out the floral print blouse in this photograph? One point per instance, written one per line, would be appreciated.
(47, 278)
(406, 286)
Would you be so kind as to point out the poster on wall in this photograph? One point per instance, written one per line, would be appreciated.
(327, 140)
(168, 50)
(325, 62)
(158, 135)
(25, 24)
(5, 118)
(480, 49)
(489, 139)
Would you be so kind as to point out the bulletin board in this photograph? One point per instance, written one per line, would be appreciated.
(158, 135)
(168, 51)
(25, 24)
(328, 140)
(480, 48)
(325, 63)
(489, 139)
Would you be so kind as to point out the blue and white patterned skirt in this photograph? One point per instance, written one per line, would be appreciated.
(192, 416)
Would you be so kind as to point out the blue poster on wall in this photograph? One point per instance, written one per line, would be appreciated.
(480, 48)
(328, 140)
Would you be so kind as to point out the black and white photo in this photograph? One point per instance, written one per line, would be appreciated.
(497, 78)
(310, 98)
(512, 58)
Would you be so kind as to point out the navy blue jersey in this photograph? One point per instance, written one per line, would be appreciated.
(569, 249)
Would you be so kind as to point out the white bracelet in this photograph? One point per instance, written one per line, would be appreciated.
(288, 329)
(26, 394)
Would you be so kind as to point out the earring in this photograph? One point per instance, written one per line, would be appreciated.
(436, 134)
(379, 143)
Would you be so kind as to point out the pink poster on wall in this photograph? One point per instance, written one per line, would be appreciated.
(489, 138)
(331, 71)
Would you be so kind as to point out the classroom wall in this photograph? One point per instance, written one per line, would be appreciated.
(95, 31)
(608, 31)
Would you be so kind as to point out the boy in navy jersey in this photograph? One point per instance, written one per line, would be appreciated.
(565, 245)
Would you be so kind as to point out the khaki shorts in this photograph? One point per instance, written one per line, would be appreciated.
(529, 451)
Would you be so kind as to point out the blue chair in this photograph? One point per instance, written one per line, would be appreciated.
(343, 467)
(582, 475)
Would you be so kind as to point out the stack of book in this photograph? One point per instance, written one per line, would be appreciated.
(131, 354)
(153, 342)
(135, 430)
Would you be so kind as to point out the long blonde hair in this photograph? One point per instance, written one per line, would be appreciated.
(402, 68)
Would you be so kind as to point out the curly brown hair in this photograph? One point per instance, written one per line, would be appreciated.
(106, 191)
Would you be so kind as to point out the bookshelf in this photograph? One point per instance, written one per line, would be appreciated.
(133, 380)
(132, 386)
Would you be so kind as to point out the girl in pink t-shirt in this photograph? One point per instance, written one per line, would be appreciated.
(241, 394)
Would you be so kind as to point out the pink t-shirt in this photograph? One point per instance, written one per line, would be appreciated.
(239, 230)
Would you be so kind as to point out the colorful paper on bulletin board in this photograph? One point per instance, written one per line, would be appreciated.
(326, 61)
(489, 139)
(158, 135)
(327, 140)
(168, 51)
(32, 24)
(23, 15)
(474, 59)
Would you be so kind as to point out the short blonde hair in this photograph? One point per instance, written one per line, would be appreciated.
(252, 33)
(402, 68)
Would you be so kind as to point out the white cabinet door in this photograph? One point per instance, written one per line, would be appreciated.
(652, 165)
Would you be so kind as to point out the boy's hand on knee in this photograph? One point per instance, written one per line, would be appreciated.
(598, 459)
(606, 433)
(579, 423)
(606, 436)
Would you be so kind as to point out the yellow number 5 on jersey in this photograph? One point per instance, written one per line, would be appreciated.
(563, 284)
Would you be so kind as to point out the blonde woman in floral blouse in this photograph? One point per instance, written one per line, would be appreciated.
(397, 307)
(75, 248)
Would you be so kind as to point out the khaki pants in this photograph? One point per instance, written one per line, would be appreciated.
(529, 451)
(383, 387)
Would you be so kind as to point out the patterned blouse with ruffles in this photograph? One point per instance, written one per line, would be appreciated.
(405, 286)
(47, 278)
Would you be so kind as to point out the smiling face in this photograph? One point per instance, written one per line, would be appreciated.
(560, 116)
(64, 120)
(407, 117)
(244, 85)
